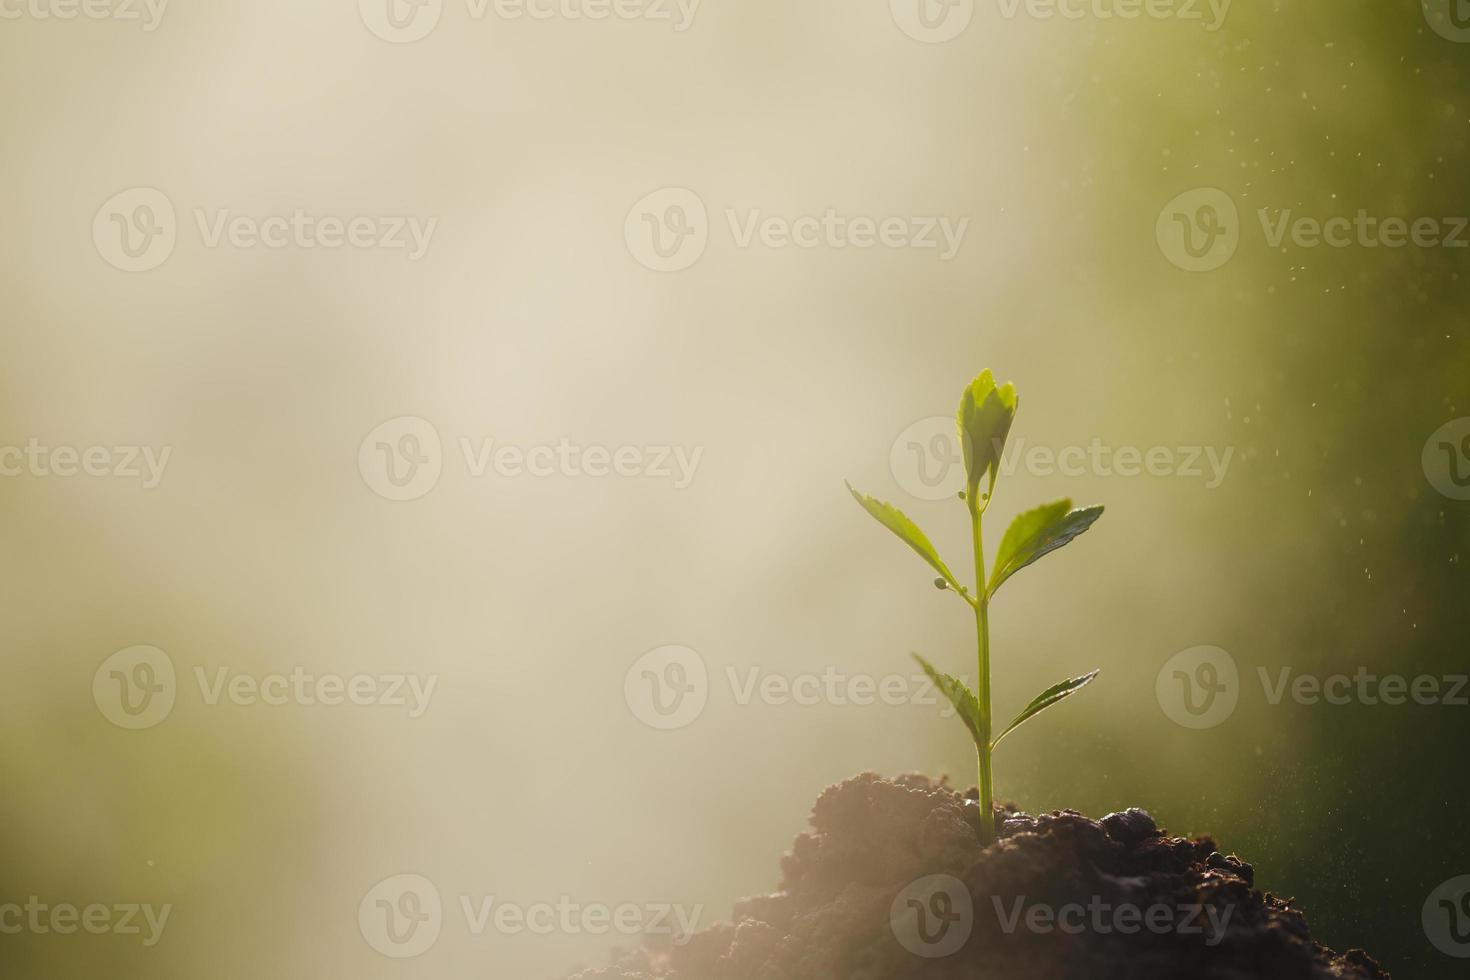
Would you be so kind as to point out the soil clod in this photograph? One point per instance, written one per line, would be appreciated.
(891, 883)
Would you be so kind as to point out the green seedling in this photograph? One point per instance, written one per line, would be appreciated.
(984, 418)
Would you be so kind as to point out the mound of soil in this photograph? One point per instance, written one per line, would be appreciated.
(891, 883)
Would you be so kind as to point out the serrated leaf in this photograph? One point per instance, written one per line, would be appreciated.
(963, 699)
(1036, 533)
(984, 418)
(897, 522)
(1046, 699)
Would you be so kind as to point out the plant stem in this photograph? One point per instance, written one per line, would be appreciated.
(982, 683)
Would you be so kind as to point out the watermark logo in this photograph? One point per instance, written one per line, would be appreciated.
(135, 688)
(1446, 459)
(667, 688)
(933, 917)
(668, 230)
(927, 463)
(1446, 917)
(136, 230)
(401, 459)
(932, 21)
(402, 916)
(1449, 18)
(1199, 230)
(1199, 687)
(401, 21)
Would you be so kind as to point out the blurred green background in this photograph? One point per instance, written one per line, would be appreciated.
(1325, 548)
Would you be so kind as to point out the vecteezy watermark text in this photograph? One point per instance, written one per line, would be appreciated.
(148, 13)
(1201, 687)
(927, 462)
(137, 230)
(403, 916)
(407, 21)
(1364, 687)
(934, 917)
(669, 230)
(403, 459)
(1201, 230)
(143, 463)
(938, 21)
(1210, 14)
(137, 688)
(1101, 917)
(668, 688)
(97, 919)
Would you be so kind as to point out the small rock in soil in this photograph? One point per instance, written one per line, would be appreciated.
(1130, 826)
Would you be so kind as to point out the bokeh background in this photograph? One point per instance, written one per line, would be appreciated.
(1326, 547)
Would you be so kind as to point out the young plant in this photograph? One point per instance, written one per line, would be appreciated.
(985, 416)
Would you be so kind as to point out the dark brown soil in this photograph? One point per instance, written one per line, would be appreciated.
(1129, 901)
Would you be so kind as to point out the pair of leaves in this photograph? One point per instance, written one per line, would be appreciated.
(985, 416)
(1031, 535)
(968, 706)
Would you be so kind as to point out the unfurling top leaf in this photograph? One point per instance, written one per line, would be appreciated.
(1045, 700)
(984, 418)
(960, 696)
(893, 519)
(1036, 533)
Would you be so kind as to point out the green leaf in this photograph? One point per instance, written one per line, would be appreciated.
(1036, 533)
(893, 519)
(960, 696)
(984, 418)
(1045, 700)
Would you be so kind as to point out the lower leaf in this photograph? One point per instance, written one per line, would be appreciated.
(960, 696)
(1045, 700)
